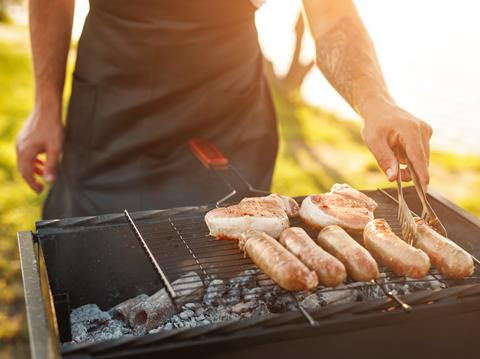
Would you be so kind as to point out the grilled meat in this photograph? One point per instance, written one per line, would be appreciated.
(393, 252)
(330, 271)
(288, 204)
(444, 254)
(343, 206)
(277, 262)
(266, 214)
(358, 261)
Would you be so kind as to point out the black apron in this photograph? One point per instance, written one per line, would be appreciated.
(149, 76)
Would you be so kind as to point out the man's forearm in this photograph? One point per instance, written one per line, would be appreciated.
(50, 33)
(345, 54)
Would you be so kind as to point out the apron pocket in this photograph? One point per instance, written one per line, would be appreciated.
(81, 113)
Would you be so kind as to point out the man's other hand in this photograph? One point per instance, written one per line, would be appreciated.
(42, 133)
(392, 134)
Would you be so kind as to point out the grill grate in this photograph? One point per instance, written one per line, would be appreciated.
(182, 243)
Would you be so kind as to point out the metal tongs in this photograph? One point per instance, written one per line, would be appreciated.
(428, 214)
(407, 222)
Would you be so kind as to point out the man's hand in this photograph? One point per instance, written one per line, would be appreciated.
(346, 56)
(42, 133)
(393, 135)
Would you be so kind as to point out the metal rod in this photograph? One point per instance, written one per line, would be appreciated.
(150, 255)
(406, 307)
(477, 262)
(306, 314)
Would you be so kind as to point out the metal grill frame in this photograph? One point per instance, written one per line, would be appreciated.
(469, 294)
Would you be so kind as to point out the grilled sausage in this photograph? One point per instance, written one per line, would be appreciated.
(277, 262)
(394, 253)
(330, 271)
(444, 254)
(359, 263)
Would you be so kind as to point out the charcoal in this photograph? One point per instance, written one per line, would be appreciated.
(214, 293)
(191, 306)
(152, 312)
(250, 293)
(79, 332)
(88, 314)
(121, 311)
(337, 296)
(244, 307)
(311, 302)
(186, 314)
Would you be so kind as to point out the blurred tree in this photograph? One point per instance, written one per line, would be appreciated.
(285, 85)
(4, 5)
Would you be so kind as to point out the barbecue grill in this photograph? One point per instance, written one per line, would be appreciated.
(70, 262)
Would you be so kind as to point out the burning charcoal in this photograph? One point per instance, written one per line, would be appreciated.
(311, 302)
(252, 294)
(191, 305)
(79, 332)
(337, 296)
(88, 314)
(168, 326)
(199, 311)
(233, 295)
(200, 317)
(215, 291)
(244, 307)
(121, 311)
(157, 308)
(113, 329)
(283, 303)
(185, 315)
(244, 279)
(156, 330)
(205, 322)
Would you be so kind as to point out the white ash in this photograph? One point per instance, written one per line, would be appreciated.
(251, 293)
(90, 324)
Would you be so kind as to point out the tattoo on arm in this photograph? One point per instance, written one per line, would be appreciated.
(346, 57)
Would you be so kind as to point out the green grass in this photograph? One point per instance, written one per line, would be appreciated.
(317, 149)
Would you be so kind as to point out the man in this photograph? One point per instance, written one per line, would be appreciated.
(152, 74)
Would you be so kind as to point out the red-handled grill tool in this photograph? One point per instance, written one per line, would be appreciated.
(213, 159)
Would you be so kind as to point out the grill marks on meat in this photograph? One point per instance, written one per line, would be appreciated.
(394, 253)
(330, 271)
(277, 262)
(358, 261)
(342, 206)
(266, 214)
(444, 254)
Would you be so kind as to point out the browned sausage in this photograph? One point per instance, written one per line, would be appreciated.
(393, 252)
(330, 271)
(277, 262)
(359, 263)
(444, 254)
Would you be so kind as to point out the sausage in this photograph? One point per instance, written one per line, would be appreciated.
(330, 271)
(394, 253)
(444, 254)
(277, 262)
(357, 260)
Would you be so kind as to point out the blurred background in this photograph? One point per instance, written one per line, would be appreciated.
(429, 51)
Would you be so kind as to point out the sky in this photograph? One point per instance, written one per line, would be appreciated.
(429, 51)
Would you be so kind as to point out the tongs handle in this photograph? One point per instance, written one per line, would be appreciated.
(208, 154)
